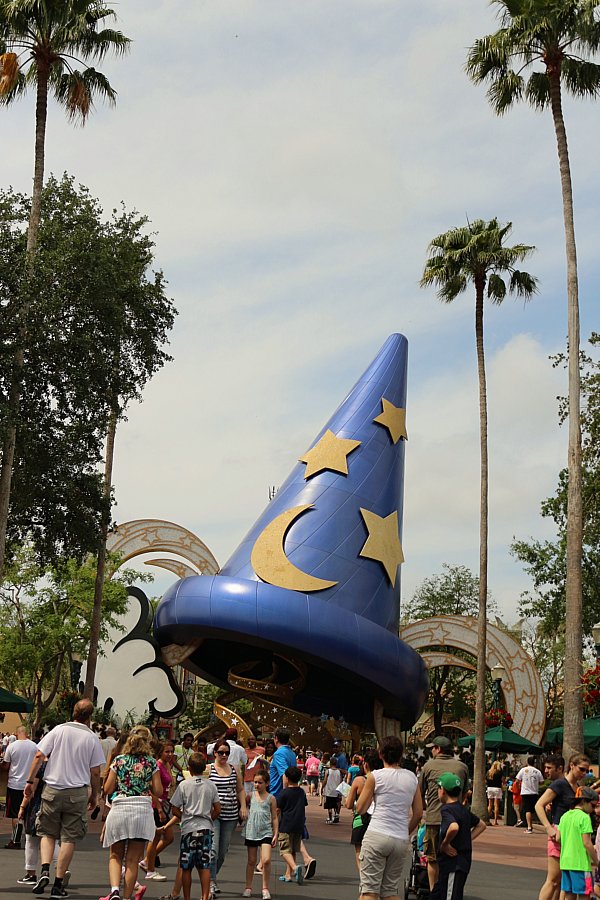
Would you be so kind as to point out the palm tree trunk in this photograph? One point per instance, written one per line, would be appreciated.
(14, 398)
(573, 722)
(479, 803)
(92, 660)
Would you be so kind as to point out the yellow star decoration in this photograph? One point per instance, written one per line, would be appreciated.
(394, 419)
(329, 453)
(383, 543)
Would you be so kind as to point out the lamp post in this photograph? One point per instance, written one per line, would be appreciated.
(498, 672)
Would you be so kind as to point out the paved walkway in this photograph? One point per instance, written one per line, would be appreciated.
(507, 863)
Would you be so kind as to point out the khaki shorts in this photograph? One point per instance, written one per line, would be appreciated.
(289, 843)
(431, 842)
(63, 814)
(383, 861)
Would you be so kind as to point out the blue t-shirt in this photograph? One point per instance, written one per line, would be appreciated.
(283, 758)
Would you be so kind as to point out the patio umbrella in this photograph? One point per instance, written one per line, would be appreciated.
(502, 738)
(10, 702)
(591, 733)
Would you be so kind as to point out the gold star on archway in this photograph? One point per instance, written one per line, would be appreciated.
(331, 453)
(383, 542)
(394, 419)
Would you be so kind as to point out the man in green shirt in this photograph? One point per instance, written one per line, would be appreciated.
(578, 857)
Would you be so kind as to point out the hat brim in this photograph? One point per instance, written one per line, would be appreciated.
(351, 661)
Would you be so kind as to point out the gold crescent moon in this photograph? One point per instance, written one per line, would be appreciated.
(272, 565)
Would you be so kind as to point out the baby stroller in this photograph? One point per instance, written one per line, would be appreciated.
(417, 882)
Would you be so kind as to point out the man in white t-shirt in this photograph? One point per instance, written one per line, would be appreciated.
(108, 743)
(75, 759)
(18, 757)
(238, 756)
(530, 779)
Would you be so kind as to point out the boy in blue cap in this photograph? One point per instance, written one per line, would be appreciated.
(458, 829)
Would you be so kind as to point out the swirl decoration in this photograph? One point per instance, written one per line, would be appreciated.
(142, 631)
(268, 686)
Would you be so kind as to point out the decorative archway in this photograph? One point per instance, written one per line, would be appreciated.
(521, 685)
(131, 539)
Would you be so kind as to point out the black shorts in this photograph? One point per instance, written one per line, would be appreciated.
(265, 840)
(332, 802)
(14, 798)
(528, 802)
(359, 829)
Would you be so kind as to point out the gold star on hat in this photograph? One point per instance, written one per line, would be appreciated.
(383, 543)
(331, 453)
(394, 419)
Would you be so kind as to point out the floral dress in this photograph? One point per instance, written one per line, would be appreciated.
(131, 817)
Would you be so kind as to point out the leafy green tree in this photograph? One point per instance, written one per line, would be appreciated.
(99, 317)
(476, 255)
(46, 44)
(542, 47)
(199, 714)
(546, 561)
(142, 318)
(45, 620)
(454, 592)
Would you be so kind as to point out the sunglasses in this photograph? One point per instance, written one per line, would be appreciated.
(223, 752)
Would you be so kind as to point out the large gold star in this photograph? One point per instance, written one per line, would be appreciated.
(329, 453)
(383, 543)
(394, 419)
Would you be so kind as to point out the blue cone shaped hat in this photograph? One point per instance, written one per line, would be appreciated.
(308, 605)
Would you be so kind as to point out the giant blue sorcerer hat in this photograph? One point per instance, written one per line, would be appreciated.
(310, 600)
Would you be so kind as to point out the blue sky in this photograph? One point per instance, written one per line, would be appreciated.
(295, 160)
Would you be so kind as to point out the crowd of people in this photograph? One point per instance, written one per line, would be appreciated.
(147, 789)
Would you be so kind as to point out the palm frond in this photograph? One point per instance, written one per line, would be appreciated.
(524, 285)
(537, 91)
(505, 90)
(9, 72)
(581, 77)
(76, 92)
(496, 288)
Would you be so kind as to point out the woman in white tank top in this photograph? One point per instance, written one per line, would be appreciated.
(398, 808)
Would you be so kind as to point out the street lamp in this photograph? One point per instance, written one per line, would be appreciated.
(498, 673)
(596, 637)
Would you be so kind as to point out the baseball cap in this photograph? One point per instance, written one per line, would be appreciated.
(440, 741)
(449, 781)
(588, 793)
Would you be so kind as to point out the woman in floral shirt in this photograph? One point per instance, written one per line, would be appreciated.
(133, 781)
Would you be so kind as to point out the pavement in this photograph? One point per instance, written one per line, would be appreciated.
(507, 863)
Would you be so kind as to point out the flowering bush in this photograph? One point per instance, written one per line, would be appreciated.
(494, 717)
(591, 691)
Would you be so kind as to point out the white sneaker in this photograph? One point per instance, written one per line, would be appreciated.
(155, 876)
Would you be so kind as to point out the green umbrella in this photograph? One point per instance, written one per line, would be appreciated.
(502, 738)
(591, 733)
(10, 702)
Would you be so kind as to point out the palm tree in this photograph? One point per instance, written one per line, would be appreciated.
(542, 46)
(475, 254)
(45, 44)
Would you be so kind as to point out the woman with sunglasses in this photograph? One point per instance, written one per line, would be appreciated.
(232, 797)
(561, 796)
